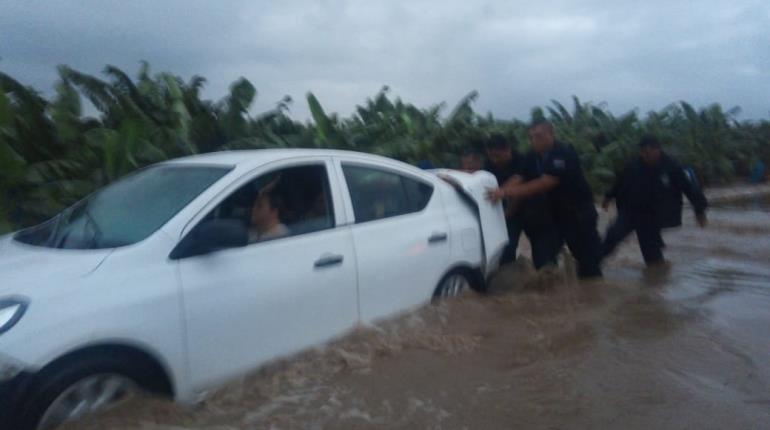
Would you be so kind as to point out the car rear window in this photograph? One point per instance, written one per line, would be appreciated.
(378, 194)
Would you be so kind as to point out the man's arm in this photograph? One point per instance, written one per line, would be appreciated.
(612, 193)
(523, 190)
(495, 194)
(694, 195)
(512, 181)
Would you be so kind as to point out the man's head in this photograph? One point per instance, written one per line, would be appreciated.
(649, 149)
(471, 160)
(266, 210)
(499, 150)
(541, 136)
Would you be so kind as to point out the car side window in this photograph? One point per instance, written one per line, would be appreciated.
(418, 193)
(285, 202)
(378, 194)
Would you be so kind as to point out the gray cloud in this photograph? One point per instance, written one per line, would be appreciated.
(516, 54)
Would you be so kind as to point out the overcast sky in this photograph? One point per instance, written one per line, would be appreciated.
(629, 54)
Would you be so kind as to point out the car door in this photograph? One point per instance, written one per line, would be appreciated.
(401, 235)
(247, 305)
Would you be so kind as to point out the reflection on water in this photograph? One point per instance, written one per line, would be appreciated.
(760, 203)
(679, 346)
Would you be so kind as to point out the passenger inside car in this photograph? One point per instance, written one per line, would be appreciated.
(266, 212)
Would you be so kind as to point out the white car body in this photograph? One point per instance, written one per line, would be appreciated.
(213, 317)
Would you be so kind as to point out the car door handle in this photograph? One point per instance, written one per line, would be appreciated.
(329, 260)
(437, 237)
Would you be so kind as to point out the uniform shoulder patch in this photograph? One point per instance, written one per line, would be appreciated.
(665, 180)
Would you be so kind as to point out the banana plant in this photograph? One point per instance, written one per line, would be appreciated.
(53, 152)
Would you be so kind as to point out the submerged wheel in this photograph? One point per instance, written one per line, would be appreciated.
(452, 285)
(74, 388)
(91, 394)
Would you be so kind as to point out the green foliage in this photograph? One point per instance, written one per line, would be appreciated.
(51, 155)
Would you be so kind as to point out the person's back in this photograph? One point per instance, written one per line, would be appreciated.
(633, 191)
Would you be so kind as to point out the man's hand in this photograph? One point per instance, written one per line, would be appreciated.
(495, 194)
(701, 219)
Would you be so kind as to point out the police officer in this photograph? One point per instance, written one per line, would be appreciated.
(553, 170)
(648, 195)
(503, 162)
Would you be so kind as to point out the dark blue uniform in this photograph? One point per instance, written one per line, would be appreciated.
(649, 198)
(570, 211)
(535, 217)
(511, 220)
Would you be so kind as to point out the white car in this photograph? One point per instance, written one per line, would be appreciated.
(188, 273)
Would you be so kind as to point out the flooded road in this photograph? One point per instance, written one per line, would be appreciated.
(684, 346)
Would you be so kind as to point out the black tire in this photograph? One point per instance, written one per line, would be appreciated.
(444, 288)
(54, 380)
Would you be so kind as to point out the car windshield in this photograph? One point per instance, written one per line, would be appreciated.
(125, 212)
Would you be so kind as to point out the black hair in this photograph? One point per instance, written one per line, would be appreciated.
(649, 140)
(499, 141)
(473, 144)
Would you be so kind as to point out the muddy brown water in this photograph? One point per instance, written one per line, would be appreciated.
(678, 347)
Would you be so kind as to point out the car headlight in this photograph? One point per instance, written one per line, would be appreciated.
(11, 311)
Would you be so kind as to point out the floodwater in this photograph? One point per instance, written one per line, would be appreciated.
(681, 346)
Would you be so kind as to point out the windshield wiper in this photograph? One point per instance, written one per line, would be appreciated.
(51, 242)
(97, 231)
(60, 231)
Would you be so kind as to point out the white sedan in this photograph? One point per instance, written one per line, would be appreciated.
(188, 273)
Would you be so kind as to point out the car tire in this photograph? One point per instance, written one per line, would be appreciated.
(55, 386)
(453, 284)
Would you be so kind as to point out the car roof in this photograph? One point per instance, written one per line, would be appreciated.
(256, 157)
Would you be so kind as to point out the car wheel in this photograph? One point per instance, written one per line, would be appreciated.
(79, 388)
(452, 285)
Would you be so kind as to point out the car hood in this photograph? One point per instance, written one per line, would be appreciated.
(26, 269)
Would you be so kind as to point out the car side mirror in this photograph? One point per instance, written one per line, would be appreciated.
(210, 236)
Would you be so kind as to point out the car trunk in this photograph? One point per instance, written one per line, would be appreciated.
(473, 187)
